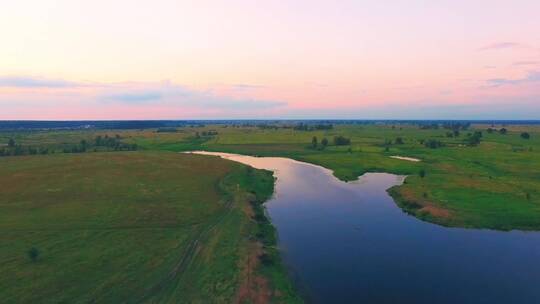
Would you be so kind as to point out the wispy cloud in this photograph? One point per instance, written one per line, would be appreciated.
(533, 76)
(500, 46)
(247, 86)
(134, 97)
(169, 94)
(521, 63)
(34, 82)
(446, 92)
(239, 104)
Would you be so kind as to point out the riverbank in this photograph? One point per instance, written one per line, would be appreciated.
(340, 242)
(263, 277)
(491, 185)
(149, 226)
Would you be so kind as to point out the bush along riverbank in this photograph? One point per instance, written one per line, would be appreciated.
(264, 277)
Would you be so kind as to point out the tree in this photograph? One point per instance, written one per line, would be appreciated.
(33, 254)
(474, 139)
(314, 142)
(525, 135)
(84, 145)
(422, 173)
(399, 141)
(341, 141)
(18, 150)
(324, 142)
(98, 140)
(456, 133)
(433, 143)
(503, 131)
(11, 143)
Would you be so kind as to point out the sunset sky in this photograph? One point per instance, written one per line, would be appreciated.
(269, 59)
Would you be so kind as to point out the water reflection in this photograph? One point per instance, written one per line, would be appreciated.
(350, 243)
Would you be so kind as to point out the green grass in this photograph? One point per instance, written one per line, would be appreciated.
(128, 227)
(158, 226)
(493, 185)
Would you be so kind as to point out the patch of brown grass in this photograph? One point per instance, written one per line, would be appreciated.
(436, 211)
(253, 288)
(425, 205)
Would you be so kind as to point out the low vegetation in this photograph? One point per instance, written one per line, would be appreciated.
(192, 228)
(136, 227)
(473, 178)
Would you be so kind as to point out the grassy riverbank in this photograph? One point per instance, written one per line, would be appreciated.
(490, 184)
(136, 227)
(154, 225)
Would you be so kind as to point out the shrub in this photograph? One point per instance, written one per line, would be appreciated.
(324, 142)
(473, 139)
(266, 259)
(341, 141)
(33, 254)
(433, 143)
(525, 135)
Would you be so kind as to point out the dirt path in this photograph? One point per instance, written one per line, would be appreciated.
(191, 252)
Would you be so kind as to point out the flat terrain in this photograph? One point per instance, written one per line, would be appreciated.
(495, 184)
(134, 227)
(153, 225)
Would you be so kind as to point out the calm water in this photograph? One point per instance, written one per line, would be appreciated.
(350, 243)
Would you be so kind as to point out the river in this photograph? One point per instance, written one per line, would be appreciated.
(350, 243)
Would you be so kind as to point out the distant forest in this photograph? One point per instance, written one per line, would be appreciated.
(145, 124)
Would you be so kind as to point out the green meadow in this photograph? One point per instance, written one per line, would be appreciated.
(494, 184)
(135, 227)
(120, 216)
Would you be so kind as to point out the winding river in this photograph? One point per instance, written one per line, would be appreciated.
(350, 243)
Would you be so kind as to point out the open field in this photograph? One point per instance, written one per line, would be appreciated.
(495, 184)
(135, 227)
(155, 225)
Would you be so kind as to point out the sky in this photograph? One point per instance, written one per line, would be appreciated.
(164, 59)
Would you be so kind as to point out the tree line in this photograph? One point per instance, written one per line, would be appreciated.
(337, 141)
(99, 143)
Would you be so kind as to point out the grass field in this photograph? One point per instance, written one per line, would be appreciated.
(495, 184)
(155, 225)
(135, 227)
